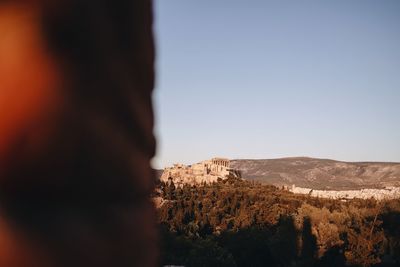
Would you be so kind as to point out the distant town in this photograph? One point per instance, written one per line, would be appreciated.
(367, 193)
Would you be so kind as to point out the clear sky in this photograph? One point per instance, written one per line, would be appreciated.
(269, 79)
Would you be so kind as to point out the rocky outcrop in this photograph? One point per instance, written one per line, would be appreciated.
(207, 171)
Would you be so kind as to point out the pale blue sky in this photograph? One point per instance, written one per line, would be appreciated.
(268, 79)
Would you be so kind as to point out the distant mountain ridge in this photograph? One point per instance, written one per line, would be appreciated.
(324, 174)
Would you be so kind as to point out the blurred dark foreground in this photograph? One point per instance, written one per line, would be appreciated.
(76, 122)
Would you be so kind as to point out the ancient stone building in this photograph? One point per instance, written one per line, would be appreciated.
(207, 171)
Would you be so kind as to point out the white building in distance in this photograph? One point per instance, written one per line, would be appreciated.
(207, 171)
(378, 194)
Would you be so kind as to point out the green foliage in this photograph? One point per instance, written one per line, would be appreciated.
(238, 223)
(196, 252)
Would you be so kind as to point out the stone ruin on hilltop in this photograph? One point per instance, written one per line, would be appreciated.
(207, 171)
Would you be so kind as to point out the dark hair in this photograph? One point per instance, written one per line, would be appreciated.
(85, 196)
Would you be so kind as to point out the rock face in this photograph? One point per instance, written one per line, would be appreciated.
(323, 174)
(207, 171)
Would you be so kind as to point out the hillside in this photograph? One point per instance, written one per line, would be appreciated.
(240, 223)
(320, 173)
